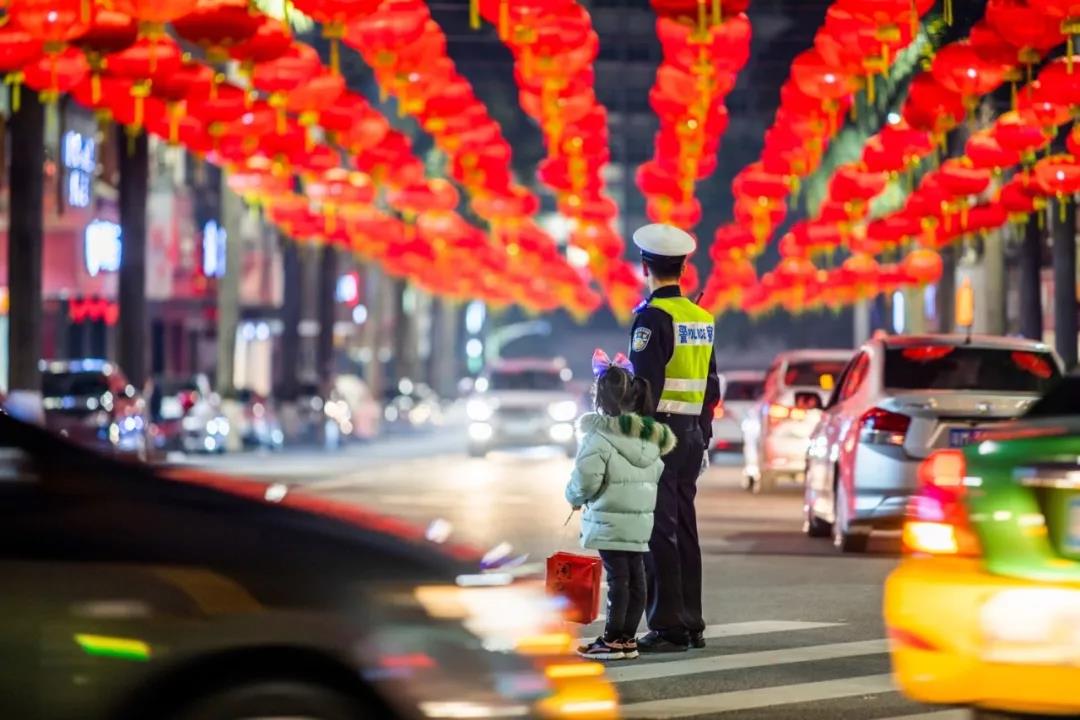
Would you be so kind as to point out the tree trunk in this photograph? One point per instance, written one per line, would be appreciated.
(290, 319)
(133, 336)
(325, 311)
(1065, 315)
(25, 240)
(1031, 254)
(228, 287)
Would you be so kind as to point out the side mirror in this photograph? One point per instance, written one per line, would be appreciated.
(807, 401)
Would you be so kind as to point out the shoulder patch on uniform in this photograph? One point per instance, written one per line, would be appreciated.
(641, 306)
(640, 339)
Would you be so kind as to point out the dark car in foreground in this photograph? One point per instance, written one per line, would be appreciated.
(137, 592)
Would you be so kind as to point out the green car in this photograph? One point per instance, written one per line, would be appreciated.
(984, 609)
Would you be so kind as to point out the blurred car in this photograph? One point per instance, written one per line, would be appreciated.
(135, 592)
(984, 608)
(259, 426)
(742, 388)
(364, 409)
(186, 416)
(525, 403)
(412, 406)
(777, 428)
(92, 403)
(900, 399)
(325, 418)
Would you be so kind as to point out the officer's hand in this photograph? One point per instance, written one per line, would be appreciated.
(704, 463)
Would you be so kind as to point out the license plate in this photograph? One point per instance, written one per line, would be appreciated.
(1072, 538)
(959, 437)
(519, 428)
(1036, 626)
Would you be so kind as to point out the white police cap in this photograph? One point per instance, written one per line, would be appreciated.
(663, 240)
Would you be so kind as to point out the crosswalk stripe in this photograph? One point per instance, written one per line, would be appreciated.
(740, 661)
(955, 714)
(752, 627)
(760, 627)
(758, 698)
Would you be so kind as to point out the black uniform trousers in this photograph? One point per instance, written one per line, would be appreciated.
(673, 565)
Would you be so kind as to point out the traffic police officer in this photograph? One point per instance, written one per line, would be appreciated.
(671, 346)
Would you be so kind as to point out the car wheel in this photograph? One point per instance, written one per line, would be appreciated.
(844, 539)
(273, 699)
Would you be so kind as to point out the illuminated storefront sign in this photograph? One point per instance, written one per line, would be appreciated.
(348, 289)
(102, 247)
(213, 244)
(80, 160)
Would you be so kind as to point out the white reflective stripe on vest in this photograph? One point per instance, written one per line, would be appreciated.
(677, 385)
(678, 407)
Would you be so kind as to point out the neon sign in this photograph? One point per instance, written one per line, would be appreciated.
(80, 161)
(93, 310)
(102, 247)
(213, 246)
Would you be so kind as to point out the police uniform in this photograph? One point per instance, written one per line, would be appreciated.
(671, 346)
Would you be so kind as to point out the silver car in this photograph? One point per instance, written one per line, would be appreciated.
(742, 388)
(900, 399)
(777, 429)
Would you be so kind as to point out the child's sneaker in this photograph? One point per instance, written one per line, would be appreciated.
(630, 650)
(600, 649)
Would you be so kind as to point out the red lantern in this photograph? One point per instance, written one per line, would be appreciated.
(54, 22)
(923, 266)
(217, 26)
(819, 80)
(155, 12)
(960, 179)
(333, 15)
(270, 41)
(1025, 27)
(1068, 13)
(986, 152)
(109, 32)
(1059, 82)
(1019, 135)
(960, 68)
(57, 74)
(932, 107)
(395, 25)
(1058, 175)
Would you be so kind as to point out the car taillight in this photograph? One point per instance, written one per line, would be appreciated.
(882, 427)
(778, 412)
(937, 521)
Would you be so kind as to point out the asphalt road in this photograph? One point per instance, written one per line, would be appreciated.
(794, 628)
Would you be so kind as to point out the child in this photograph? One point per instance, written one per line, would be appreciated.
(615, 475)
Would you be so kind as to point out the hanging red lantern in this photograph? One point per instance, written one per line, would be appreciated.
(819, 80)
(17, 49)
(932, 107)
(986, 152)
(724, 48)
(1059, 82)
(960, 68)
(1025, 27)
(53, 22)
(1013, 132)
(54, 75)
(155, 13)
(923, 266)
(1038, 104)
(397, 24)
(959, 178)
(109, 32)
(1058, 175)
(269, 41)
(144, 61)
(334, 15)
(1068, 13)
(217, 26)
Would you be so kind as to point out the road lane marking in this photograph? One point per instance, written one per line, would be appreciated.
(759, 698)
(740, 661)
(955, 714)
(758, 627)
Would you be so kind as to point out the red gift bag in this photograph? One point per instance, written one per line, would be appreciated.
(576, 578)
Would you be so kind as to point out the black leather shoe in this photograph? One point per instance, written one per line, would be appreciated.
(654, 642)
(697, 640)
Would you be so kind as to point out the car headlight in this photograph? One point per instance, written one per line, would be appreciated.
(513, 617)
(564, 411)
(479, 410)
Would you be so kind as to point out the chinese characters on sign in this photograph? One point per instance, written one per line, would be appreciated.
(102, 247)
(80, 159)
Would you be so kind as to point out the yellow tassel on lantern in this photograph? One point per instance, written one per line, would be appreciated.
(15, 80)
(717, 12)
(948, 12)
(474, 14)
(702, 16)
(504, 19)
(335, 56)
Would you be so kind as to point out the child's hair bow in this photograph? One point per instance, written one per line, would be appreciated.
(601, 363)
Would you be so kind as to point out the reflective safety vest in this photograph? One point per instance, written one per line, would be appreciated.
(687, 372)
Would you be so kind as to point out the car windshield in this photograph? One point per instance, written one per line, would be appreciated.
(71, 384)
(743, 390)
(1062, 399)
(543, 380)
(951, 367)
(814, 373)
